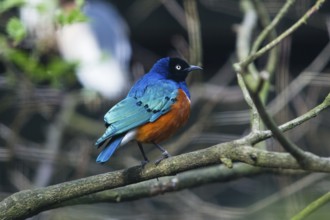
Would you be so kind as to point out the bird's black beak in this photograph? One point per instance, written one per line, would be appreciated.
(192, 68)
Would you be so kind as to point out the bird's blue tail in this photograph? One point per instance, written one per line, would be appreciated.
(110, 149)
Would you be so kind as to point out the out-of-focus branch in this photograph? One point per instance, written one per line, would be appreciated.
(268, 30)
(312, 207)
(243, 47)
(53, 140)
(270, 27)
(287, 191)
(194, 32)
(189, 22)
(176, 11)
(138, 11)
(242, 65)
(300, 82)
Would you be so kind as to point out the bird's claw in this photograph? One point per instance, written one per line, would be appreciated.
(165, 155)
(144, 162)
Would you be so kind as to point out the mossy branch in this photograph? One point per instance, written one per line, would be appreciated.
(30, 202)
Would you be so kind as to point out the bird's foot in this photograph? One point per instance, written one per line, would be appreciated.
(165, 155)
(144, 162)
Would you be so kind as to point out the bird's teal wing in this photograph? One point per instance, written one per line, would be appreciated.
(147, 104)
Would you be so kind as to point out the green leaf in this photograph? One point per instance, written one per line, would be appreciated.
(73, 16)
(16, 30)
(24, 61)
(59, 68)
(55, 71)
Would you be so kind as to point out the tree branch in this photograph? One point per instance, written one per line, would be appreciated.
(312, 207)
(299, 120)
(34, 201)
(302, 157)
(270, 28)
(242, 49)
(195, 177)
(178, 182)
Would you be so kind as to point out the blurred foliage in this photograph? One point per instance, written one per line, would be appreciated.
(38, 67)
(5, 5)
(55, 71)
(16, 30)
(75, 15)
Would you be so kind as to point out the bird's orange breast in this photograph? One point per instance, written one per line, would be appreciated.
(167, 124)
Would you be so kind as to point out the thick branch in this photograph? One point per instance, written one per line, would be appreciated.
(178, 182)
(302, 157)
(195, 177)
(34, 201)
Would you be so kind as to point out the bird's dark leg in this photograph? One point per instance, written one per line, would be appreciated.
(165, 154)
(145, 161)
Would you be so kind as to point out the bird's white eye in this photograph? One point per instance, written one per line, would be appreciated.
(178, 67)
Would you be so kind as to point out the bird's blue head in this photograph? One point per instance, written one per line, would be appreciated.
(175, 69)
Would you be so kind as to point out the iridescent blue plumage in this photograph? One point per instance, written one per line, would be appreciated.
(151, 97)
(110, 149)
(147, 100)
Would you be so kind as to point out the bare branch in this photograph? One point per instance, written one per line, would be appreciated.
(34, 201)
(312, 207)
(239, 67)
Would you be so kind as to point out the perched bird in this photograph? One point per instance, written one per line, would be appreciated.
(155, 107)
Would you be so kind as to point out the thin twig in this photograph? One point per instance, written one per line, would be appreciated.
(194, 32)
(301, 119)
(302, 80)
(302, 157)
(286, 192)
(53, 140)
(239, 67)
(312, 207)
(270, 28)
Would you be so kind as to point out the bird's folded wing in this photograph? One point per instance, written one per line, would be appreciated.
(137, 109)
